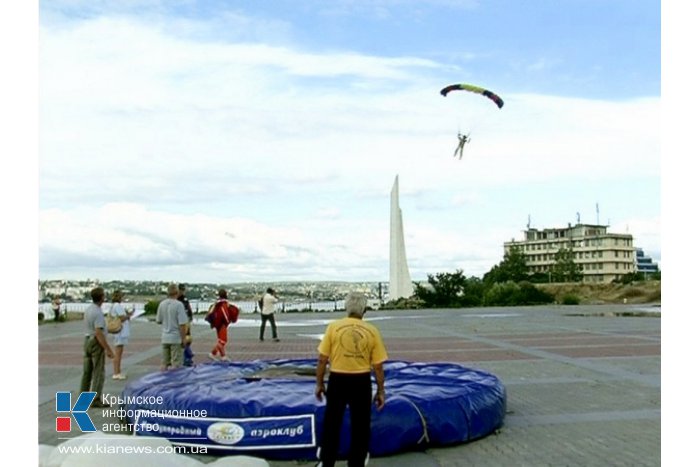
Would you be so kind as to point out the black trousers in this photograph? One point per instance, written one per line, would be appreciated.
(263, 320)
(353, 391)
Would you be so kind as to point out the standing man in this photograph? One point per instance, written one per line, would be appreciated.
(353, 347)
(268, 313)
(187, 354)
(172, 317)
(186, 303)
(95, 347)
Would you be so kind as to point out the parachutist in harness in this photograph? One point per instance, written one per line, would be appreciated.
(463, 139)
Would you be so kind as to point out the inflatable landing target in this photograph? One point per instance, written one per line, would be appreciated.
(267, 408)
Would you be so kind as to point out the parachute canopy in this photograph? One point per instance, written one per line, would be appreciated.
(470, 87)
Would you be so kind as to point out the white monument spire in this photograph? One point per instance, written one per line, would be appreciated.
(400, 284)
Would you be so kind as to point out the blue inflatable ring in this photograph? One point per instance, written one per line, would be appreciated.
(267, 408)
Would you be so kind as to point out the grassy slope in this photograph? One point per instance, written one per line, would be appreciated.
(638, 292)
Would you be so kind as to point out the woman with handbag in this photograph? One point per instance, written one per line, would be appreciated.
(121, 338)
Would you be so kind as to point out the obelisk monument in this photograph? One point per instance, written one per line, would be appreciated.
(400, 284)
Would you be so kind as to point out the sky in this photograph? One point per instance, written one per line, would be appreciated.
(232, 141)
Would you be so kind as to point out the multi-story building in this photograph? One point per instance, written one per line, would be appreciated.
(645, 264)
(603, 256)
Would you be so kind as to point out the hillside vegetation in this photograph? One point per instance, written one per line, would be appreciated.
(591, 294)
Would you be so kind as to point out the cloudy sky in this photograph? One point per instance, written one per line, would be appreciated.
(229, 141)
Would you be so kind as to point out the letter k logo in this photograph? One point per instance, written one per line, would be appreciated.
(79, 411)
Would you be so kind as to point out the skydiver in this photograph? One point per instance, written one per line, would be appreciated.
(463, 139)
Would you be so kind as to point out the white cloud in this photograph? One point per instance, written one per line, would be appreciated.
(155, 147)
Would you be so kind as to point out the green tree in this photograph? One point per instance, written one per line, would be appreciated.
(512, 268)
(516, 294)
(502, 294)
(564, 268)
(450, 290)
(631, 277)
(473, 292)
(151, 307)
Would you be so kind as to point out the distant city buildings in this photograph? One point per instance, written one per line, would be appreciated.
(79, 291)
(603, 256)
(66, 289)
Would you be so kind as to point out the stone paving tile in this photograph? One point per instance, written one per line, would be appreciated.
(574, 397)
(579, 397)
(583, 340)
(644, 365)
(608, 351)
(620, 443)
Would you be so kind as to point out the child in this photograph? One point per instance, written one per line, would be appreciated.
(188, 354)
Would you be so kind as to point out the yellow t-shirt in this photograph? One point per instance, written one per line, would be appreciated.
(352, 345)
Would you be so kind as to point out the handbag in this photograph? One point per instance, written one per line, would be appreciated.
(114, 323)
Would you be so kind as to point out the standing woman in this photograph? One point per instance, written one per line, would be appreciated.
(122, 337)
(56, 307)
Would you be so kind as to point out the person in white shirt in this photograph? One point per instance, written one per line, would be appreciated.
(122, 337)
(172, 317)
(267, 313)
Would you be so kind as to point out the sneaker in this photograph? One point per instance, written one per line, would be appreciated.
(119, 376)
(213, 357)
(225, 359)
(276, 340)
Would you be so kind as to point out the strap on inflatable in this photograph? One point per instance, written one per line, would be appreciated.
(425, 436)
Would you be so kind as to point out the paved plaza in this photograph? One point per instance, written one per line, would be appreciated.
(583, 382)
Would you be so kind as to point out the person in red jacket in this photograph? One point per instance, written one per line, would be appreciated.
(220, 315)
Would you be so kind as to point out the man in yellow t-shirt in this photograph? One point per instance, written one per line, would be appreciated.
(353, 348)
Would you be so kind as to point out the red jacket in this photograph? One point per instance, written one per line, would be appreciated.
(222, 314)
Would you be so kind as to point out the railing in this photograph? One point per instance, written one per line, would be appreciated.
(203, 307)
